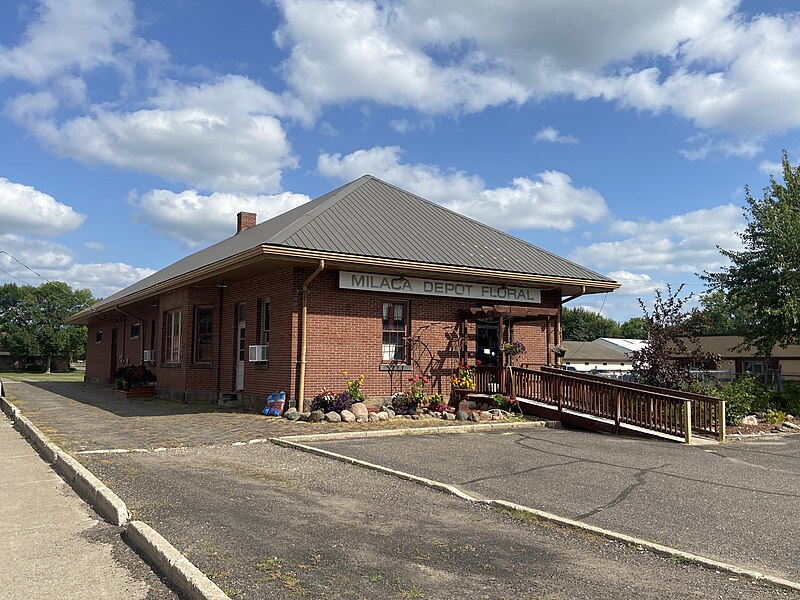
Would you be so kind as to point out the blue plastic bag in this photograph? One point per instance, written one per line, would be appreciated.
(275, 402)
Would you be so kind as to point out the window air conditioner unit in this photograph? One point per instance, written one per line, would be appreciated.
(149, 356)
(259, 353)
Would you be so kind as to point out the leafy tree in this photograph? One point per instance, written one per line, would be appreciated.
(669, 335)
(32, 320)
(763, 279)
(717, 316)
(634, 328)
(583, 325)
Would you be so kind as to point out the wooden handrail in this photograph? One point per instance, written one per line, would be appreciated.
(667, 411)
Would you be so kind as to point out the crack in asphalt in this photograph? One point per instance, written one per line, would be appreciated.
(656, 470)
(622, 496)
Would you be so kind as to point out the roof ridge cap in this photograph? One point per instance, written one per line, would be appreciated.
(307, 217)
(600, 276)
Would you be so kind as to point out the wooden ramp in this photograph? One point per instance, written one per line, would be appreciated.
(610, 405)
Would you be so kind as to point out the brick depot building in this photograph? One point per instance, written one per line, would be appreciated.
(368, 279)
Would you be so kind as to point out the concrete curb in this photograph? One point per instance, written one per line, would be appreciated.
(174, 565)
(653, 547)
(450, 489)
(659, 549)
(97, 494)
(477, 428)
(189, 579)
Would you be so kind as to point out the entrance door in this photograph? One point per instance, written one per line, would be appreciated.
(241, 348)
(113, 373)
(487, 341)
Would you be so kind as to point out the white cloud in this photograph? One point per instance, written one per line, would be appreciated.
(352, 49)
(547, 201)
(699, 58)
(635, 284)
(75, 35)
(551, 134)
(98, 247)
(684, 243)
(705, 146)
(192, 218)
(55, 261)
(221, 136)
(27, 210)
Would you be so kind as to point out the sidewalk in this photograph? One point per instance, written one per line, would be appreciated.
(51, 544)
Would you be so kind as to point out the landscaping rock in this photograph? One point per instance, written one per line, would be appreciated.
(415, 416)
(792, 426)
(475, 417)
(373, 417)
(304, 416)
(333, 417)
(449, 416)
(391, 413)
(347, 416)
(292, 415)
(462, 415)
(359, 409)
(486, 416)
(750, 420)
(315, 416)
(383, 415)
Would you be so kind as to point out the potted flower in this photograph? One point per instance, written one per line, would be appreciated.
(463, 378)
(558, 349)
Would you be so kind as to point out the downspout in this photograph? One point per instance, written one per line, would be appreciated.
(303, 322)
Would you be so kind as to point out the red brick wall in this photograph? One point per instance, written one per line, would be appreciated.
(344, 334)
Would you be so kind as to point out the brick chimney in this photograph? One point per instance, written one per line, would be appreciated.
(245, 220)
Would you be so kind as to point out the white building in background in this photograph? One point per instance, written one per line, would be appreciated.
(601, 355)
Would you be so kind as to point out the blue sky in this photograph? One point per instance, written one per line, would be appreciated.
(621, 138)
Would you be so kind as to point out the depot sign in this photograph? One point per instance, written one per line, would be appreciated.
(373, 282)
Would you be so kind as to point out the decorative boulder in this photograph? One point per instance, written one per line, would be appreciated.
(292, 415)
(448, 416)
(359, 409)
(304, 416)
(750, 420)
(383, 415)
(462, 415)
(475, 417)
(332, 417)
(373, 417)
(391, 413)
(347, 416)
(316, 416)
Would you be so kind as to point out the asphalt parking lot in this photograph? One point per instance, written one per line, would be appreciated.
(269, 522)
(735, 502)
(266, 521)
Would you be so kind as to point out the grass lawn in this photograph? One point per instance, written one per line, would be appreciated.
(24, 376)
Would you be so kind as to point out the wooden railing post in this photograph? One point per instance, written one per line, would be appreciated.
(618, 413)
(512, 387)
(687, 420)
(721, 417)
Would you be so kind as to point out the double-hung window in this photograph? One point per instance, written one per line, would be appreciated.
(172, 337)
(395, 332)
(264, 327)
(203, 322)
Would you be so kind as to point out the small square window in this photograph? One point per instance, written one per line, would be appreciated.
(136, 331)
(98, 337)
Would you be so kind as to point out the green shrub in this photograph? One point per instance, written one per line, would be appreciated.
(789, 399)
(775, 417)
(743, 397)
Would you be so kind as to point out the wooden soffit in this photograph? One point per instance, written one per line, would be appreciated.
(518, 312)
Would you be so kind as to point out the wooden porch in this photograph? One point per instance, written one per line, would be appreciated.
(603, 404)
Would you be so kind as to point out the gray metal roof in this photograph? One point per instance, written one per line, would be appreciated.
(369, 217)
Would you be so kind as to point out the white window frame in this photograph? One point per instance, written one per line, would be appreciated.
(264, 326)
(172, 338)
